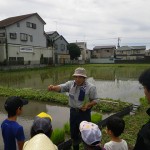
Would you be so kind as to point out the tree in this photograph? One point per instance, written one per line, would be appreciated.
(74, 51)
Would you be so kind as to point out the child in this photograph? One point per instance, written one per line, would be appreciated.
(115, 127)
(41, 131)
(12, 132)
(91, 135)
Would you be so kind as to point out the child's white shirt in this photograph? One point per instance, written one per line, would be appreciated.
(116, 145)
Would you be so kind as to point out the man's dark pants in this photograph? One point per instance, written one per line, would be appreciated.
(76, 117)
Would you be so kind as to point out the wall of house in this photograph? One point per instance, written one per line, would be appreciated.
(59, 42)
(147, 52)
(30, 57)
(130, 54)
(101, 61)
(39, 38)
(63, 59)
(83, 47)
(2, 52)
(103, 53)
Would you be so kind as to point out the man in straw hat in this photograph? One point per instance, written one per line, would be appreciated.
(82, 97)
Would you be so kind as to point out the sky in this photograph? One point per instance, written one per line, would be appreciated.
(96, 22)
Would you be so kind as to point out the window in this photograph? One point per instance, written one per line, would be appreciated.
(13, 35)
(62, 47)
(31, 25)
(138, 51)
(31, 38)
(18, 24)
(12, 58)
(2, 34)
(56, 46)
(20, 60)
(23, 37)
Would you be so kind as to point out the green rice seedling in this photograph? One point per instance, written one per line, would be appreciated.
(96, 117)
(67, 128)
(58, 136)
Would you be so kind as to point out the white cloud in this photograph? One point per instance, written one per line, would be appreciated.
(93, 21)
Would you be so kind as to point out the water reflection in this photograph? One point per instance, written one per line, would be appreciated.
(41, 78)
(111, 82)
(128, 91)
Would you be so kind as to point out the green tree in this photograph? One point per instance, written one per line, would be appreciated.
(74, 51)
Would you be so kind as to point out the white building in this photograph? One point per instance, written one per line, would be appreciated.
(23, 40)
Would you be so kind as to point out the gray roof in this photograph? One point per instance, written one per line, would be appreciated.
(51, 32)
(60, 36)
(104, 47)
(57, 37)
(126, 48)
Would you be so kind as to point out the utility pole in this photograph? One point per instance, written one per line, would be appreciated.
(119, 39)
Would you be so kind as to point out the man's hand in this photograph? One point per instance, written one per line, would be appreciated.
(88, 105)
(50, 88)
(85, 107)
(54, 88)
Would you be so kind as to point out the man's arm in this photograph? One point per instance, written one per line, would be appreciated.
(93, 99)
(56, 88)
(20, 145)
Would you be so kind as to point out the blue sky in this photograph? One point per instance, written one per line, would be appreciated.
(97, 22)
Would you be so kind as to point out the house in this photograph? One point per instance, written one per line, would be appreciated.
(106, 51)
(147, 52)
(130, 52)
(84, 52)
(23, 40)
(59, 45)
(88, 55)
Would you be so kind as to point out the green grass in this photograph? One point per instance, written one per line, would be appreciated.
(133, 124)
(67, 128)
(96, 117)
(58, 136)
(33, 94)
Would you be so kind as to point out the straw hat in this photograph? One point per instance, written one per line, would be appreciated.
(39, 142)
(80, 72)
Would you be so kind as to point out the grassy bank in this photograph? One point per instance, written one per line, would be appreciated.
(133, 124)
(107, 106)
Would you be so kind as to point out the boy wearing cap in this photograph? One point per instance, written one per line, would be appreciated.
(41, 131)
(12, 132)
(91, 135)
(115, 127)
(82, 97)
